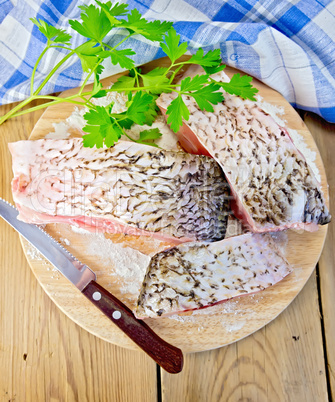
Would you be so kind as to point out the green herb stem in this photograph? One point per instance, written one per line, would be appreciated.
(12, 112)
(176, 71)
(38, 90)
(88, 77)
(60, 47)
(123, 40)
(124, 133)
(85, 82)
(34, 70)
(128, 136)
(137, 78)
(167, 87)
(88, 102)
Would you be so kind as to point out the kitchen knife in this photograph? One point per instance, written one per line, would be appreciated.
(167, 356)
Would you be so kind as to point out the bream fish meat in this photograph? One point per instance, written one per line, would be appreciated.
(198, 274)
(272, 185)
(129, 188)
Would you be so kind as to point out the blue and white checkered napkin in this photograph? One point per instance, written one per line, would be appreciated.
(289, 45)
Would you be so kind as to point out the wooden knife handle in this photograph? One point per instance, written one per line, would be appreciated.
(167, 356)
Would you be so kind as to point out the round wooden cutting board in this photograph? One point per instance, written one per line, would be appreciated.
(200, 330)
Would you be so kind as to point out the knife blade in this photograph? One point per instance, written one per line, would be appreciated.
(169, 357)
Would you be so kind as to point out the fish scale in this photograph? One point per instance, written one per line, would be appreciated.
(196, 275)
(273, 186)
(178, 195)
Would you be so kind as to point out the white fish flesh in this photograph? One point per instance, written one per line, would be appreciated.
(272, 185)
(196, 275)
(129, 188)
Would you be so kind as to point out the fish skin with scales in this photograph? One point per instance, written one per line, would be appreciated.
(130, 188)
(196, 275)
(272, 185)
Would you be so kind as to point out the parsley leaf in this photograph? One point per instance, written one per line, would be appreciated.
(53, 34)
(153, 30)
(95, 24)
(197, 82)
(98, 116)
(210, 59)
(177, 110)
(171, 46)
(146, 136)
(156, 29)
(132, 72)
(113, 11)
(99, 94)
(151, 113)
(207, 96)
(93, 139)
(203, 94)
(213, 70)
(87, 52)
(156, 78)
(151, 134)
(120, 57)
(97, 91)
(142, 89)
(124, 82)
(113, 134)
(138, 106)
(240, 86)
(123, 121)
(101, 127)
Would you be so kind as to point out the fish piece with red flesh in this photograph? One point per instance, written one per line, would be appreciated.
(272, 185)
(130, 188)
(198, 274)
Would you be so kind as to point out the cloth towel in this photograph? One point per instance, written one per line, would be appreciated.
(289, 45)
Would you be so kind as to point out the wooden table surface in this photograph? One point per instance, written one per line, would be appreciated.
(44, 356)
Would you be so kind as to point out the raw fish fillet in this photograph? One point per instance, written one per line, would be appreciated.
(196, 275)
(129, 188)
(272, 185)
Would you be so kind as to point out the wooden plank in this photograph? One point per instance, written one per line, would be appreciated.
(282, 362)
(324, 135)
(44, 356)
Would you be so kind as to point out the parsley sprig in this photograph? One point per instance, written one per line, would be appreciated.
(106, 28)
